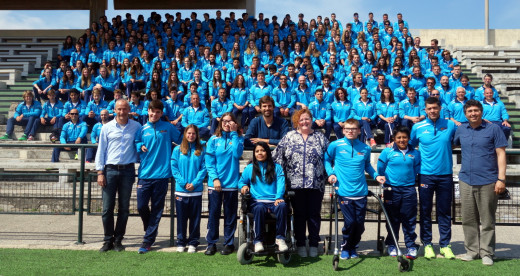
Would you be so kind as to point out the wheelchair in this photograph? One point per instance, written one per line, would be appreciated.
(246, 235)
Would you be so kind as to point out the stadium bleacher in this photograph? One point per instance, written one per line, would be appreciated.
(21, 61)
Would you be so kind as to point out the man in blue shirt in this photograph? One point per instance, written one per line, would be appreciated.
(482, 178)
(154, 144)
(115, 160)
(434, 136)
(266, 128)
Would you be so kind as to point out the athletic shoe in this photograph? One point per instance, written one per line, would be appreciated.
(259, 247)
(180, 249)
(373, 143)
(302, 251)
(5, 137)
(487, 260)
(23, 138)
(118, 246)
(313, 252)
(467, 258)
(412, 253)
(392, 251)
(428, 252)
(192, 249)
(447, 253)
(344, 255)
(144, 248)
(76, 156)
(282, 246)
(353, 254)
(54, 139)
(31, 138)
(107, 246)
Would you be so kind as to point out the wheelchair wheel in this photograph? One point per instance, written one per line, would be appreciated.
(241, 233)
(381, 246)
(284, 258)
(243, 256)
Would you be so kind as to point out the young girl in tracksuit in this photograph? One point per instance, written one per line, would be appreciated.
(265, 180)
(223, 152)
(189, 170)
(400, 165)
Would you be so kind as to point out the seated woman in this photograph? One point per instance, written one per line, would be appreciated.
(266, 182)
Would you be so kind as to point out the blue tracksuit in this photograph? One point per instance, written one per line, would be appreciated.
(157, 138)
(223, 162)
(69, 134)
(348, 160)
(434, 140)
(456, 110)
(341, 111)
(360, 110)
(387, 111)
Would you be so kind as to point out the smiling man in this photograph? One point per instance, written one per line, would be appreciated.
(482, 178)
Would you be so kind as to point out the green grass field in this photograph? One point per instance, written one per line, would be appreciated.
(68, 262)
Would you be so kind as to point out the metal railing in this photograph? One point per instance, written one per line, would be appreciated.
(20, 194)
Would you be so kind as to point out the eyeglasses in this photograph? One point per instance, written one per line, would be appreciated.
(74, 113)
(350, 129)
(226, 121)
(396, 70)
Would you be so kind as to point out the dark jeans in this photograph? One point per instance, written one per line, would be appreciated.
(28, 122)
(118, 182)
(153, 190)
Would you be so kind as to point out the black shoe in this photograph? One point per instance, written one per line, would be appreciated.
(211, 250)
(228, 249)
(107, 246)
(118, 246)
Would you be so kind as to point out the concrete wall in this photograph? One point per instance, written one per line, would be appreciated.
(463, 37)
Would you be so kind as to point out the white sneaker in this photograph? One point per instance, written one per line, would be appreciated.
(313, 252)
(259, 247)
(282, 246)
(302, 251)
(192, 249)
(180, 249)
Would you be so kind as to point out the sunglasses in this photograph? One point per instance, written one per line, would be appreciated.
(74, 113)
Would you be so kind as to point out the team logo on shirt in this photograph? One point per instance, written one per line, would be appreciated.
(443, 128)
(424, 186)
(411, 156)
(178, 198)
(147, 134)
(360, 153)
(163, 131)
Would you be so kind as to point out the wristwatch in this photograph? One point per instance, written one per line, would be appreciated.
(501, 180)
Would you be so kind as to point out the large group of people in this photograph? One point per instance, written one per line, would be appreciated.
(199, 77)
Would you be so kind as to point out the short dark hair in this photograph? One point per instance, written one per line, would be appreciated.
(156, 104)
(471, 103)
(266, 99)
(432, 100)
(403, 129)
